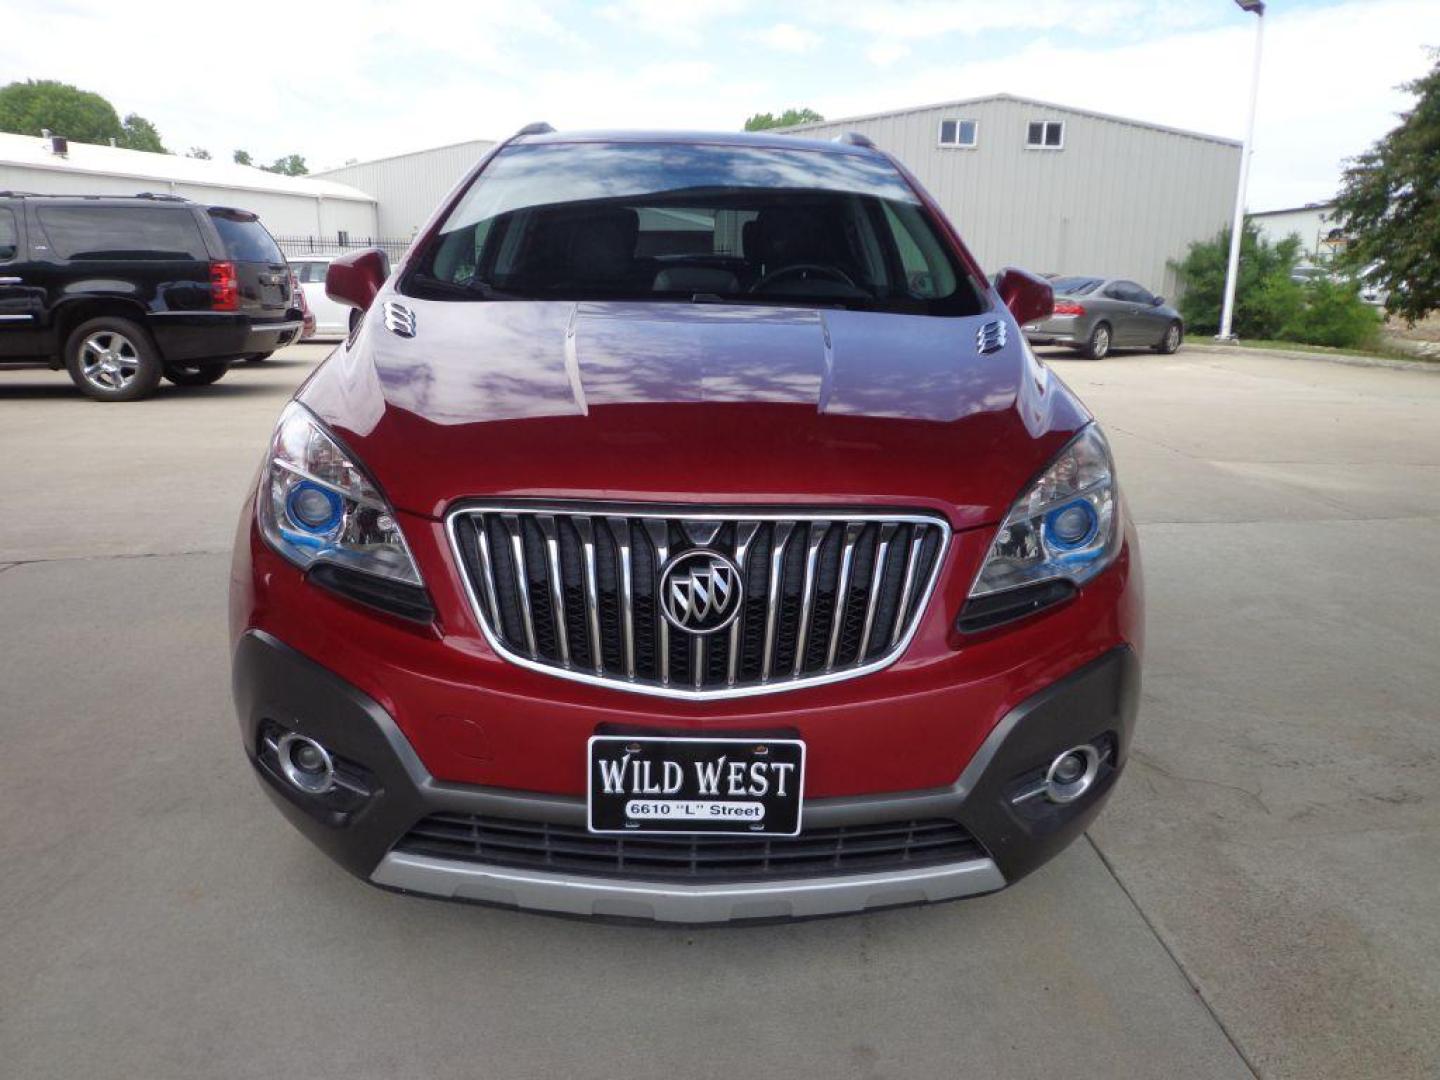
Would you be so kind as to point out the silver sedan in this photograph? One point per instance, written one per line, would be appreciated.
(1096, 314)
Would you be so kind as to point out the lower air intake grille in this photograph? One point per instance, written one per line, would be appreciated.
(778, 599)
(561, 849)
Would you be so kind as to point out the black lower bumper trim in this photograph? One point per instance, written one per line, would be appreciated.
(274, 683)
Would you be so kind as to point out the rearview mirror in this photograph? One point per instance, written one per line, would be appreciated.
(1028, 297)
(355, 279)
(1158, 301)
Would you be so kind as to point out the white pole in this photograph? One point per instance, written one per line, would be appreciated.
(1237, 226)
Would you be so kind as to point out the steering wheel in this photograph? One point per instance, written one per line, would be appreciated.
(834, 273)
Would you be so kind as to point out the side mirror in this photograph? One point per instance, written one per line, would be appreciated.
(1159, 300)
(1028, 297)
(354, 279)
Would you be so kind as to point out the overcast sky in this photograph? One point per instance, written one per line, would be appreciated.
(368, 78)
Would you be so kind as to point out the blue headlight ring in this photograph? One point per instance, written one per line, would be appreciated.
(1054, 540)
(314, 528)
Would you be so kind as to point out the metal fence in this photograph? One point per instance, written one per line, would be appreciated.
(340, 245)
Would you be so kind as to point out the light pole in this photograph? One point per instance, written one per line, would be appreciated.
(1238, 224)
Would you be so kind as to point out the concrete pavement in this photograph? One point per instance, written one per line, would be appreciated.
(1274, 843)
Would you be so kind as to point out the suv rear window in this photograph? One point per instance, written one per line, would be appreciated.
(122, 232)
(245, 239)
(711, 223)
(8, 237)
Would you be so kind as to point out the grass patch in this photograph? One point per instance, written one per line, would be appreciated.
(1379, 352)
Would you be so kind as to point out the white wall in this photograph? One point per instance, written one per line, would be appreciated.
(284, 214)
(1120, 199)
(410, 187)
(1311, 223)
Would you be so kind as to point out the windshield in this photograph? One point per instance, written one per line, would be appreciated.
(1074, 286)
(693, 223)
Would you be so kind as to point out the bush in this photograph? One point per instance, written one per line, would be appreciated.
(1265, 297)
(1268, 305)
(1333, 314)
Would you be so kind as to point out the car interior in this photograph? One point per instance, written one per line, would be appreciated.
(745, 245)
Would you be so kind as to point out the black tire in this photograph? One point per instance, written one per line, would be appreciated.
(1170, 343)
(196, 374)
(1098, 347)
(255, 358)
(113, 359)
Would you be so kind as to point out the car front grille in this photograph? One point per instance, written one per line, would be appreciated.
(698, 859)
(578, 593)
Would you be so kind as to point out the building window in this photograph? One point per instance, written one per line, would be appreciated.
(964, 133)
(1045, 135)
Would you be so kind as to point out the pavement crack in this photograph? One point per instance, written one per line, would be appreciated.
(11, 564)
(1150, 763)
(1174, 959)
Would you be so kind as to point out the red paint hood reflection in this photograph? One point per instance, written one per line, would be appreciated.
(693, 403)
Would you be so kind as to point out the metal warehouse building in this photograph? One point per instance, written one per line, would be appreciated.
(290, 206)
(1061, 190)
(408, 187)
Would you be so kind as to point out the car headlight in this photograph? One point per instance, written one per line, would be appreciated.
(1062, 531)
(319, 509)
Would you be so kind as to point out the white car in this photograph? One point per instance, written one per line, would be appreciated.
(332, 320)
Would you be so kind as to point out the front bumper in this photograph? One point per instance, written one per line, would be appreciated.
(275, 685)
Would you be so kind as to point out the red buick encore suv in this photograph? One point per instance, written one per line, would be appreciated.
(687, 533)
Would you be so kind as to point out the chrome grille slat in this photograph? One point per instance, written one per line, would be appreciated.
(557, 584)
(877, 577)
(522, 580)
(575, 591)
(620, 530)
(917, 544)
(744, 537)
(818, 531)
(487, 562)
(853, 530)
(779, 540)
(586, 528)
(659, 533)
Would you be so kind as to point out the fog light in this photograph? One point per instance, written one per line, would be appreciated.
(1072, 773)
(306, 764)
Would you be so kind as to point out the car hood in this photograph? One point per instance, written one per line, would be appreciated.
(692, 403)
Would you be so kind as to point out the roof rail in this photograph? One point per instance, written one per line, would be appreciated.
(15, 194)
(539, 127)
(162, 196)
(854, 138)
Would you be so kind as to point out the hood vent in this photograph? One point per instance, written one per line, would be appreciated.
(399, 319)
(990, 337)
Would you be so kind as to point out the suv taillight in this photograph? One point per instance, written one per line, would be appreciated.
(1068, 307)
(224, 287)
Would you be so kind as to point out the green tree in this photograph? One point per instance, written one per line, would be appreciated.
(198, 152)
(290, 165)
(139, 134)
(1266, 299)
(242, 157)
(1389, 203)
(27, 107)
(789, 118)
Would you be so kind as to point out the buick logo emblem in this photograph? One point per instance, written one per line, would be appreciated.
(700, 592)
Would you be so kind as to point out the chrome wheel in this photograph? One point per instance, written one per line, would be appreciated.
(109, 361)
(1100, 342)
(1172, 338)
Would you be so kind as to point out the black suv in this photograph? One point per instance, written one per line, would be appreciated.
(124, 290)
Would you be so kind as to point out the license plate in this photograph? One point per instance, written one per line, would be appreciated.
(651, 784)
